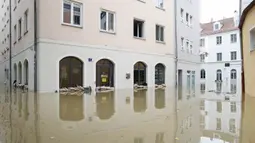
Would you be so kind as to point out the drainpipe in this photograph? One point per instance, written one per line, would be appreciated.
(35, 46)
(176, 66)
(10, 44)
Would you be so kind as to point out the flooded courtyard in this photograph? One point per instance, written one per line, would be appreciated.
(122, 116)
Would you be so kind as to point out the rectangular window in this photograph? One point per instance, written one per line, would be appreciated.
(182, 43)
(187, 18)
(218, 40)
(26, 21)
(187, 46)
(160, 3)
(233, 38)
(233, 55)
(72, 13)
(107, 21)
(202, 105)
(218, 127)
(202, 122)
(202, 42)
(15, 34)
(202, 58)
(219, 107)
(232, 125)
(191, 48)
(190, 20)
(138, 28)
(159, 33)
(193, 82)
(182, 14)
(252, 39)
(20, 30)
(233, 107)
(188, 82)
(219, 56)
(202, 88)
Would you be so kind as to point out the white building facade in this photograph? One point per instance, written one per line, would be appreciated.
(221, 57)
(89, 44)
(187, 43)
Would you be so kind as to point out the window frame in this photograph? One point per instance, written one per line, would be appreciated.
(19, 29)
(182, 43)
(143, 29)
(158, 4)
(107, 22)
(252, 39)
(202, 42)
(218, 60)
(233, 39)
(220, 40)
(160, 38)
(72, 15)
(234, 55)
(26, 21)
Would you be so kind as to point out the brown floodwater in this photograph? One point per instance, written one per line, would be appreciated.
(124, 116)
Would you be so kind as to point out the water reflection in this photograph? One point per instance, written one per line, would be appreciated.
(113, 117)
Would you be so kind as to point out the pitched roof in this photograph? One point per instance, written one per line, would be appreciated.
(227, 25)
(245, 12)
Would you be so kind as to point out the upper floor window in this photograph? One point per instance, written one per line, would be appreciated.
(190, 21)
(160, 33)
(232, 125)
(187, 18)
(252, 39)
(182, 14)
(202, 42)
(72, 13)
(218, 127)
(160, 3)
(107, 21)
(233, 55)
(182, 43)
(219, 75)
(202, 57)
(233, 38)
(138, 28)
(187, 45)
(191, 48)
(26, 21)
(216, 26)
(20, 30)
(202, 74)
(233, 74)
(15, 34)
(219, 106)
(218, 40)
(233, 107)
(219, 56)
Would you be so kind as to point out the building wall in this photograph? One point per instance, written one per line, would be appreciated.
(211, 65)
(248, 56)
(123, 61)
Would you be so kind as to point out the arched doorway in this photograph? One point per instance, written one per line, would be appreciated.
(26, 72)
(70, 72)
(140, 73)
(159, 74)
(15, 72)
(20, 73)
(105, 73)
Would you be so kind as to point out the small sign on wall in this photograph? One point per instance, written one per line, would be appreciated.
(127, 75)
(90, 59)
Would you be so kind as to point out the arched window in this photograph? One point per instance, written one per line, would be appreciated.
(140, 73)
(20, 73)
(159, 74)
(105, 73)
(202, 74)
(218, 75)
(233, 74)
(70, 72)
(26, 72)
(15, 72)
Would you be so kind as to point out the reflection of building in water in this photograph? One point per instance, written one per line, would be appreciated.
(220, 120)
(105, 105)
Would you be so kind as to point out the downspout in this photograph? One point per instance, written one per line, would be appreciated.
(10, 48)
(35, 46)
(176, 68)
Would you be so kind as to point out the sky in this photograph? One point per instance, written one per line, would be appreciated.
(217, 9)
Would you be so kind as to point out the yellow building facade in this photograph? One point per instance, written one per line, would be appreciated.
(247, 27)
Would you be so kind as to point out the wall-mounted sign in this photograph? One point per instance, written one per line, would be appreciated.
(90, 59)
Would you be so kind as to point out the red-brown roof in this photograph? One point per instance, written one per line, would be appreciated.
(227, 25)
(245, 12)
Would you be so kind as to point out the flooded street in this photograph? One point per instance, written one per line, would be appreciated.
(123, 116)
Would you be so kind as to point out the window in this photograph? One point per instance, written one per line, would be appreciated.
(15, 34)
(233, 107)
(138, 28)
(219, 75)
(218, 127)
(219, 56)
(219, 107)
(107, 21)
(191, 48)
(187, 46)
(187, 18)
(20, 25)
(188, 81)
(202, 74)
(233, 38)
(182, 14)
(202, 42)
(252, 39)
(218, 40)
(26, 21)
(160, 33)
(202, 58)
(233, 88)
(202, 105)
(233, 74)
(202, 88)
(233, 55)
(216, 26)
(72, 13)
(160, 3)
(232, 125)
(190, 20)
(182, 43)
(202, 122)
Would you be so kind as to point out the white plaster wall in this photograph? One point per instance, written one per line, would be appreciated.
(51, 52)
(225, 48)
(225, 115)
